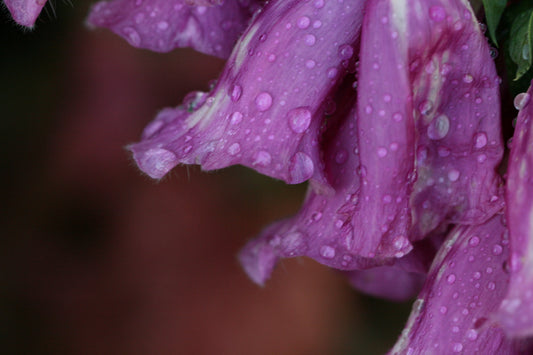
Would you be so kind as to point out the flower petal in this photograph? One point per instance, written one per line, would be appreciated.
(516, 312)
(426, 77)
(163, 25)
(25, 12)
(267, 109)
(457, 112)
(465, 284)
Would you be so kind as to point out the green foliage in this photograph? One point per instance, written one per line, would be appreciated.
(521, 42)
(493, 13)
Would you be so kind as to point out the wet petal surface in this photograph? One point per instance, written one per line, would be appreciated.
(516, 311)
(267, 109)
(162, 25)
(466, 282)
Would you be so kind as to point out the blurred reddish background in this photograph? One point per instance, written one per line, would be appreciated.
(99, 259)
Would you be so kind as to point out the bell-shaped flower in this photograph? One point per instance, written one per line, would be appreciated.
(163, 25)
(516, 312)
(266, 111)
(418, 151)
(25, 12)
(465, 284)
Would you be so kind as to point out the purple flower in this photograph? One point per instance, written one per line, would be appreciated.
(25, 12)
(516, 312)
(390, 109)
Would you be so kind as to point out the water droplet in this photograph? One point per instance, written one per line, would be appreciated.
(299, 119)
(332, 72)
(387, 199)
(316, 216)
(327, 252)
(262, 158)
(443, 309)
(291, 242)
(439, 127)
(236, 92)
(450, 279)
(309, 39)
(234, 149)
(382, 152)
(398, 117)
(467, 78)
(345, 51)
(236, 118)
(157, 162)
(474, 241)
(480, 140)
(341, 156)
(491, 286)
(477, 275)
(368, 109)
(301, 168)
(310, 64)
(303, 22)
(457, 347)
(526, 51)
(319, 4)
(471, 334)
(387, 98)
(493, 53)
(521, 100)
(263, 101)
(453, 175)
(437, 13)
(132, 36)
(497, 249)
(271, 58)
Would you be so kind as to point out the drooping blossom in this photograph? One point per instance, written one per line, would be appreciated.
(25, 12)
(516, 312)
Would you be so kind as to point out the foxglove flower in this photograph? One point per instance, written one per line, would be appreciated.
(465, 284)
(163, 25)
(423, 137)
(266, 110)
(25, 12)
(516, 311)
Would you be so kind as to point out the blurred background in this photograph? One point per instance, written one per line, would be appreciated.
(96, 258)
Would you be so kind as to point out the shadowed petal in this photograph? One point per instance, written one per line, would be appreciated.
(163, 25)
(25, 12)
(516, 311)
(465, 284)
(267, 109)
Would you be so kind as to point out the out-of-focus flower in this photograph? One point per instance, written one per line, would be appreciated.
(163, 25)
(25, 12)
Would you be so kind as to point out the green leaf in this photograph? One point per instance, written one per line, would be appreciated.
(493, 13)
(521, 42)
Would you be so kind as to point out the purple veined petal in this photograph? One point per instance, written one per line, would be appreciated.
(163, 25)
(516, 312)
(466, 282)
(457, 113)
(25, 12)
(322, 229)
(428, 122)
(204, 2)
(267, 108)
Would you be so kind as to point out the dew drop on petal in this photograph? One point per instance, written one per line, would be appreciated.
(521, 100)
(450, 279)
(234, 149)
(299, 119)
(303, 22)
(301, 168)
(497, 249)
(437, 13)
(236, 93)
(480, 140)
(235, 118)
(262, 158)
(453, 175)
(132, 36)
(439, 127)
(263, 101)
(309, 39)
(467, 78)
(327, 252)
(345, 51)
